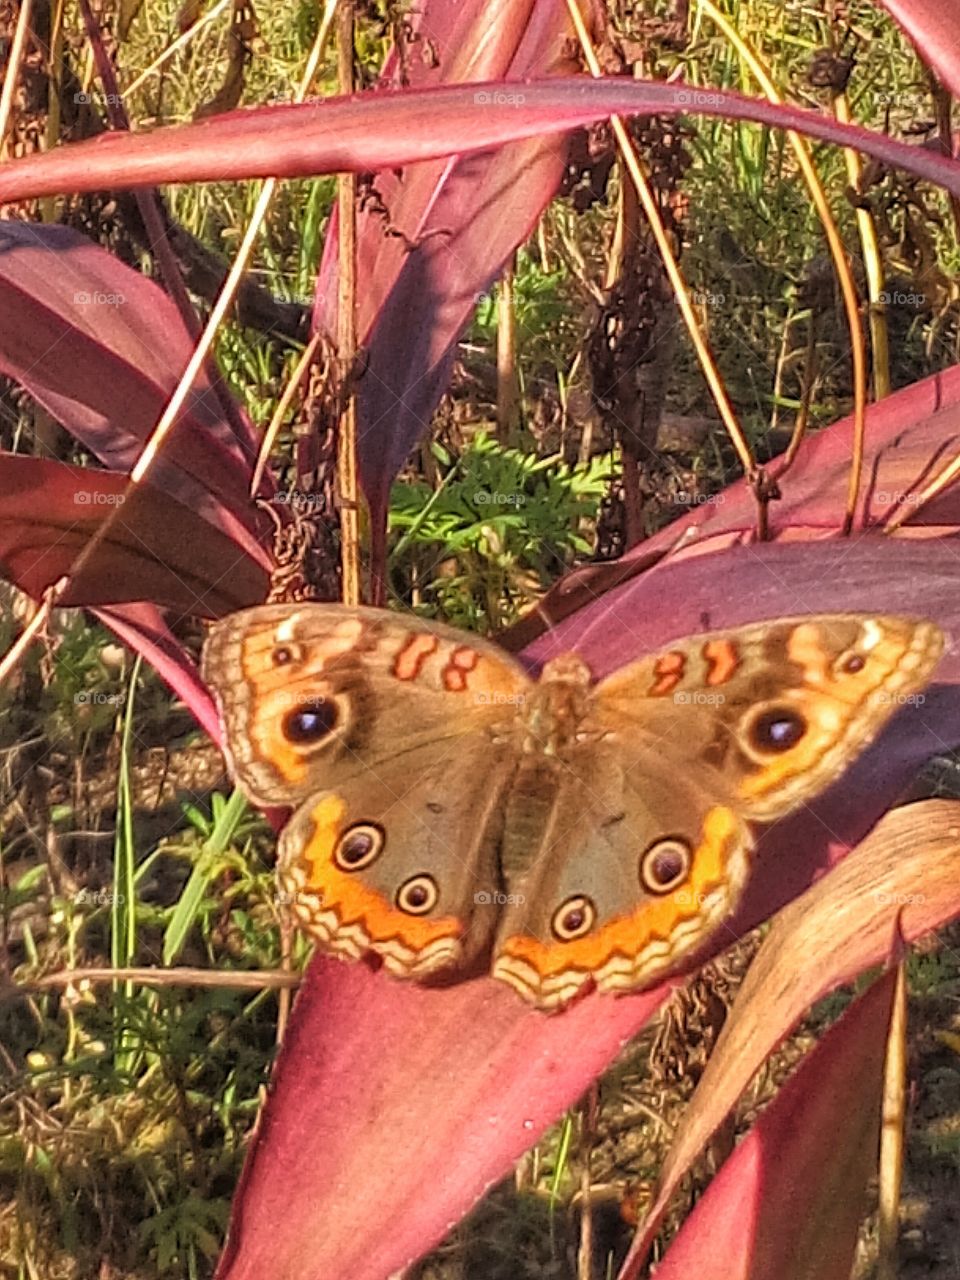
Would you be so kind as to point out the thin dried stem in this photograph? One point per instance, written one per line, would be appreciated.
(183, 976)
(634, 167)
(276, 421)
(178, 44)
(834, 242)
(508, 383)
(15, 653)
(12, 73)
(806, 396)
(347, 339)
(891, 1133)
(942, 480)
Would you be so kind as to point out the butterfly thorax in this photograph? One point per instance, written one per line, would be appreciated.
(557, 707)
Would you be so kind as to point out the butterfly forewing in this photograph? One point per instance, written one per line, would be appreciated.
(779, 709)
(313, 695)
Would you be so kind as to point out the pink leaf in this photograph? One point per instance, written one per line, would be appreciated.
(142, 627)
(376, 131)
(382, 1089)
(787, 1204)
(157, 549)
(442, 231)
(101, 347)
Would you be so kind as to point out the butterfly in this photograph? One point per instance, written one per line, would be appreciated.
(452, 814)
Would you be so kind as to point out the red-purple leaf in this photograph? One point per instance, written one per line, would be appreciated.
(101, 347)
(404, 1102)
(443, 231)
(472, 41)
(376, 131)
(142, 627)
(908, 867)
(787, 1204)
(157, 549)
(489, 206)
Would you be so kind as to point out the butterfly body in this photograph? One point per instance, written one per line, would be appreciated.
(454, 815)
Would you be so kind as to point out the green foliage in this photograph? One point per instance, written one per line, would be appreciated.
(82, 693)
(214, 859)
(124, 1107)
(929, 973)
(540, 308)
(498, 525)
(95, 1149)
(178, 1234)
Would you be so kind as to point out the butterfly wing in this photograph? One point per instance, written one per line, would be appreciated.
(640, 862)
(393, 739)
(645, 845)
(313, 695)
(779, 709)
(401, 861)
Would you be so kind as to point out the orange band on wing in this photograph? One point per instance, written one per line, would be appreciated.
(462, 662)
(669, 669)
(723, 659)
(413, 655)
(655, 919)
(354, 902)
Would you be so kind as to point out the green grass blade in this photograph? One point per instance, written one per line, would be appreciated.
(207, 867)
